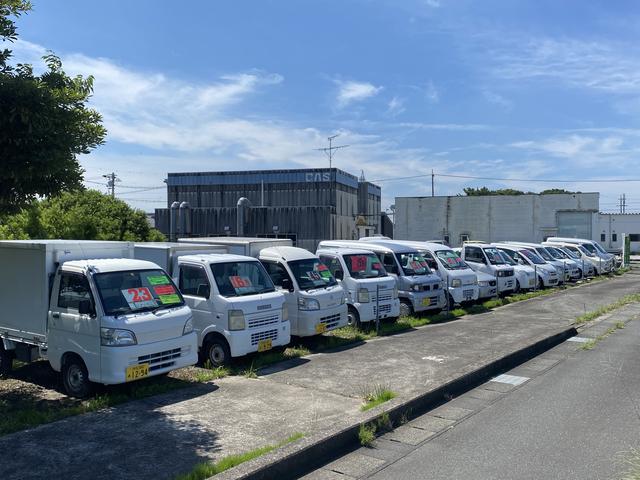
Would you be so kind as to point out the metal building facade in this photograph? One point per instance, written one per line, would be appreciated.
(307, 205)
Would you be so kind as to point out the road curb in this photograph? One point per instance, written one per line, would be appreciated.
(312, 452)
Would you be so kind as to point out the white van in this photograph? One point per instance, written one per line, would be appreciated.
(567, 270)
(458, 277)
(561, 255)
(525, 275)
(578, 253)
(369, 288)
(484, 257)
(91, 310)
(315, 301)
(236, 307)
(605, 261)
(418, 288)
(546, 273)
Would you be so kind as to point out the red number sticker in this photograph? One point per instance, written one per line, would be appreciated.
(164, 290)
(141, 294)
(377, 266)
(240, 282)
(322, 267)
(358, 263)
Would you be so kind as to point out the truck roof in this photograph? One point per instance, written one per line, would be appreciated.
(286, 253)
(382, 246)
(426, 245)
(217, 258)
(344, 251)
(391, 245)
(104, 265)
(235, 240)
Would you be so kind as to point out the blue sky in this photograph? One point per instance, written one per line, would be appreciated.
(528, 90)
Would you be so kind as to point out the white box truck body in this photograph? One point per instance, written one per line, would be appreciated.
(249, 246)
(236, 307)
(90, 309)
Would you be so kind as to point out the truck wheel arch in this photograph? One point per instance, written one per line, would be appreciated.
(219, 339)
(72, 365)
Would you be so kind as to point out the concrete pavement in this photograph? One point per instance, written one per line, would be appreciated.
(166, 435)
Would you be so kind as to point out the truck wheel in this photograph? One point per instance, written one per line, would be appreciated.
(353, 318)
(216, 351)
(75, 378)
(6, 360)
(405, 309)
(518, 288)
(540, 284)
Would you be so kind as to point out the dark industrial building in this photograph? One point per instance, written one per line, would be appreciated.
(306, 205)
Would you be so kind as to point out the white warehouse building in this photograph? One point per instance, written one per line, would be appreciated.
(530, 217)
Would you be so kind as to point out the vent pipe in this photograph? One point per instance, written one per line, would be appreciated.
(184, 224)
(243, 215)
(173, 221)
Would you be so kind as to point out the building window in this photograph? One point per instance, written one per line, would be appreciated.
(603, 237)
(464, 237)
(446, 239)
(614, 237)
(634, 237)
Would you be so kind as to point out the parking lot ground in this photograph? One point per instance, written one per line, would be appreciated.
(162, 436)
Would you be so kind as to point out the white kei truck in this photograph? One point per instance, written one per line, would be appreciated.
(236, 308)
(315, 301)
(369, 288)
(95, 313)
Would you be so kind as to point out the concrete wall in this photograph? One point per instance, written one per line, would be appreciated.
(487, 218)
(613, 225)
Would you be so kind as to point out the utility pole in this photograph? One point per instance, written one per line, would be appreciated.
(112, 178)
(623, 203)
(331, 148)
(432, 182)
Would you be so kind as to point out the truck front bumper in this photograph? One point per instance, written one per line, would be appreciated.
(466, 293)
(314, 322)
(388, 309)
(243, 342)
(424, 301)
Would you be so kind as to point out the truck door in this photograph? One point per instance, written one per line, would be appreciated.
(196, 290)
(69, 331)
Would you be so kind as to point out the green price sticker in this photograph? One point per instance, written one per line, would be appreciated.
(325, 273)
(158, 280)
(169, 299)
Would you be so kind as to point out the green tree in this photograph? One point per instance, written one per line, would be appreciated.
(477, 192)
(550, 191)
(44, 123)
(81, 215)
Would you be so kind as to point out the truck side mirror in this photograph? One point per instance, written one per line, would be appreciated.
(339, 274)
(203, 290)
(286, 284)
(84, 307)
(433, 265)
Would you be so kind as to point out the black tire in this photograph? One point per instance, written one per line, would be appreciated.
(540, 283)
(518, 287)
(75, 378)
(353, 318)
(451, 301)
(6, 360)
(406, 310)
(217, 351)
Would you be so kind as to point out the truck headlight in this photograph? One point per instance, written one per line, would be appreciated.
(395, 292)
(308, 303)
(115, 337)
(285, 312)
(363, 295)
(483, 283)
(415, 288)
(501, 273)
(188, 327)
(236, 320)
(455, 283)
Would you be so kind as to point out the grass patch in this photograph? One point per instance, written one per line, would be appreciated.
(378, 395)
(632, 461)
(626, 300)
(205, 470)
(593, 342)
(366, 434)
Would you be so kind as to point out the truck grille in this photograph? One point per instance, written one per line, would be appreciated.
(160, 360)
(433, 301)
(467, 293)
(256, 337)
(331, 321)
(262, 320)
(384, 309)
(384, 297)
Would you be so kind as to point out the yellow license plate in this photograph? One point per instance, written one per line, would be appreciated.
(136, 372)
(321, 328)
(426, 302)
(264, 345)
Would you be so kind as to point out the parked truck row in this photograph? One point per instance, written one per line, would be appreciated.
(114, 312)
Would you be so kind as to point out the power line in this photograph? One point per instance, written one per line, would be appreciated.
(613, 180)
(329, 150)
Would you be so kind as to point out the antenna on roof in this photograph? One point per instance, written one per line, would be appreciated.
(329, 150)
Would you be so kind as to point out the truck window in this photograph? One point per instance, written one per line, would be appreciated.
(494, 256)
(388, 262)
(73, 288)
(193, 281)
(473, 254)
(277, 272)
(450, 260)
(364, 265)
(332, 263)
(311, 273)
(235, 279)
(413, 264)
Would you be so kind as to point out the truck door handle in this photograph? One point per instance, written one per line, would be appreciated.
(55, 314)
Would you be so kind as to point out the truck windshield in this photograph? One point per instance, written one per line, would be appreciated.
(311, 273)
(555, 253)
(136, 291)
(532, 257)
(364, 265)
(413, 264)
(493, 254)
(507, 259)
(450, 260)
(569, 253)
(591, 250)
(544, 254)
(599, 248)
(236, 279)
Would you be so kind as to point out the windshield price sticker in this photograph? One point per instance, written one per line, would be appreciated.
(377, 266)
(322, 267)
(164, 290)
(169, 299)
(158, 280)
(424, 263)
(326, 274)
(358, 263)
(415, 265)
(240, 282)
(314, 276)
(452, 260)
(138, 298)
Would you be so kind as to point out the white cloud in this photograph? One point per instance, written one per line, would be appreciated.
(431, 93)
(396, 106)
(351, 91)
(497, 99)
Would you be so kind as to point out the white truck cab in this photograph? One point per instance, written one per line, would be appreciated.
(604, 261)
(316, 301)
(525, 275)
(96, 314)
(547, 274)
(236, 308)
(419, 289)
(485, 257)
(368, 286)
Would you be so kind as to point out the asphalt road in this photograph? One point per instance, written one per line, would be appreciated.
(576, 416)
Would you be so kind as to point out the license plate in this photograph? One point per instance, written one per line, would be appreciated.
(426, 302)
(264, 345)
(321, 328)
(136, 372)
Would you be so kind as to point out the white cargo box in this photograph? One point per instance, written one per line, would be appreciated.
(166, 254)
(27, 267)
(249, 246)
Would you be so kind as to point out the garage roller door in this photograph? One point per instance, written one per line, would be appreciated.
(574, 224)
